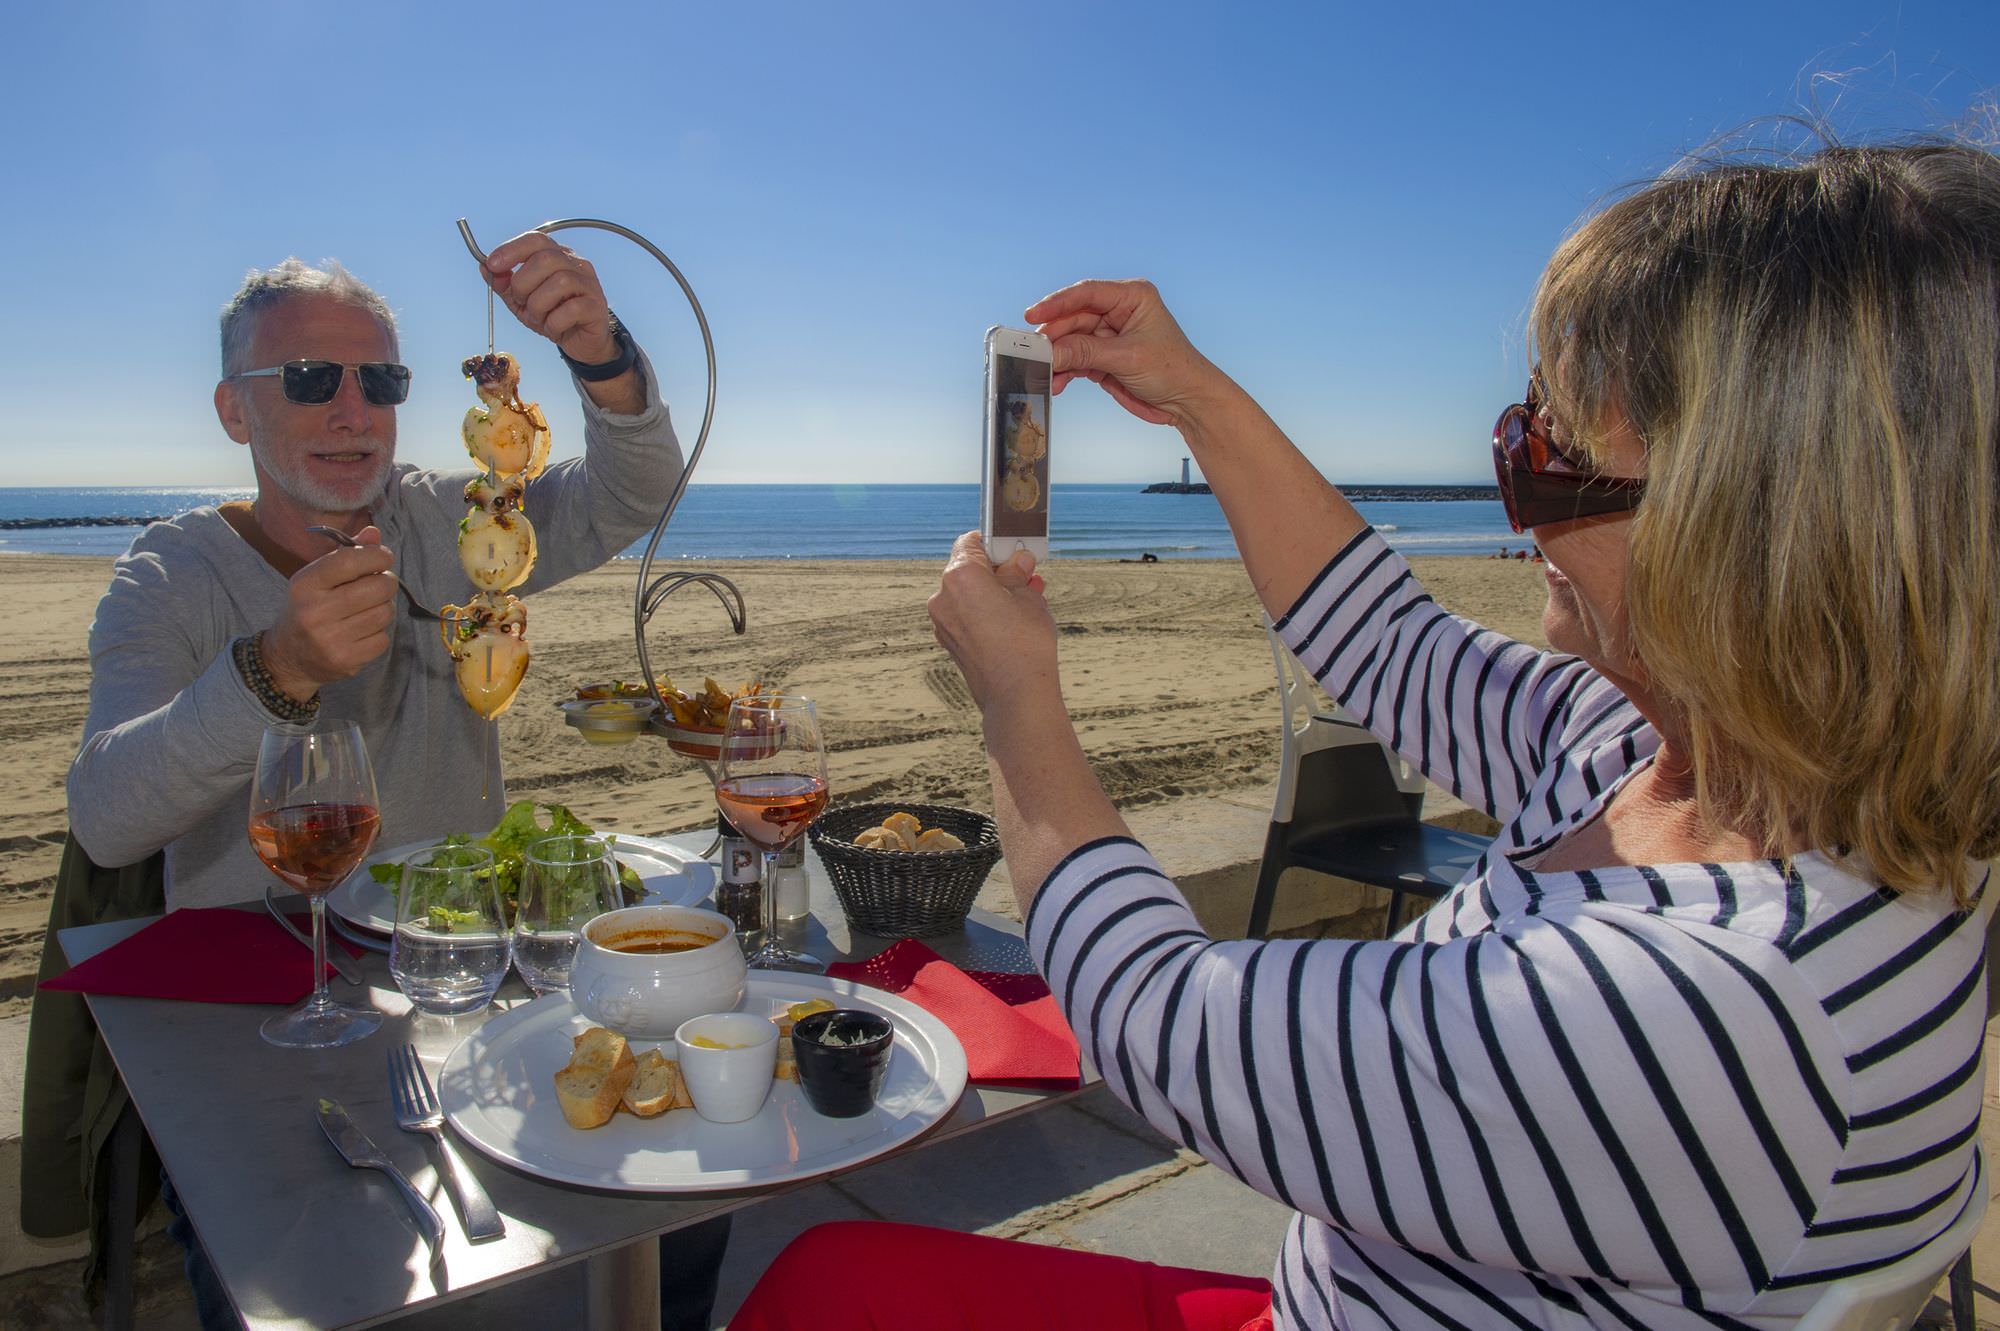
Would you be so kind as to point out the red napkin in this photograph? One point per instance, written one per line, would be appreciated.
(1009, 1024)
(210, 956)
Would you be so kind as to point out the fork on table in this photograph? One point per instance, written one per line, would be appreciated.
(417, 1110)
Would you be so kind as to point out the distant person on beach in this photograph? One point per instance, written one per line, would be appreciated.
(1701, 1033)
(225, 621)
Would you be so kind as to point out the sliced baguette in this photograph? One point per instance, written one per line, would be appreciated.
(600, 1067)
(657, 1086)
(600, 1048)
(589, 1097)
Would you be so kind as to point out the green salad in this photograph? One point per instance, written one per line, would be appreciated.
(519, 828)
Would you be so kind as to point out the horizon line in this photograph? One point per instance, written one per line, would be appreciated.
(1487, 484)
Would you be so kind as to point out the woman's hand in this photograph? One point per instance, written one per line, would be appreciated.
(996, 625)
(1119, 335)
(1046, 799)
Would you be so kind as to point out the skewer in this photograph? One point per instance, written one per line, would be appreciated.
(644, 600)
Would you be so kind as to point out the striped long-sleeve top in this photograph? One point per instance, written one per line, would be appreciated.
(1663, 1096)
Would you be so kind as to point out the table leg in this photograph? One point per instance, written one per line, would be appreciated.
(123, 1221)
(624, 1287)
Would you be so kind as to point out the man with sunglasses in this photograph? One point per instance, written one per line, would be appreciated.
(225, 621)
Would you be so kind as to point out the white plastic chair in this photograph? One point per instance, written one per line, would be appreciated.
(1890, 1299)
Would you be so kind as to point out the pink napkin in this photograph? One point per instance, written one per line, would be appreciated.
(1009, 1024)
(215, 955)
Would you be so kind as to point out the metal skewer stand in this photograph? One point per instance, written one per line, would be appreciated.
(651, 592)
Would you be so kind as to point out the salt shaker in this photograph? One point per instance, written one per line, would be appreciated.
(790, 883)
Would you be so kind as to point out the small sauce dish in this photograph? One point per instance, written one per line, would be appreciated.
(609, 720)
(842, 1055)
(727, 1060)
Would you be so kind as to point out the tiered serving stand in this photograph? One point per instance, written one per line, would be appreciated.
(649, 714)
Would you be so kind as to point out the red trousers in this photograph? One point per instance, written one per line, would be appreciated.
(859, 1275)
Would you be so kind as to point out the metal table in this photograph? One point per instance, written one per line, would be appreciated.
(301, 1240)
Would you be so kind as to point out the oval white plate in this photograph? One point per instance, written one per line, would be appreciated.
(671, 876)
(498, 1088)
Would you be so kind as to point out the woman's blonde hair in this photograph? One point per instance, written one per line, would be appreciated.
(1811, 354)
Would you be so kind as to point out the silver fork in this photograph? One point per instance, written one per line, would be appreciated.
(339, 537)
(417, 1111)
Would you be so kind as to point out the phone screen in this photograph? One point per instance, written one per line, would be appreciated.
(1020, 458)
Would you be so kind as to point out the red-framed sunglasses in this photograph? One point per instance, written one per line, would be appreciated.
(1540, 483)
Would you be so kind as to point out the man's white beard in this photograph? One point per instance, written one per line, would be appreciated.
(318, 496)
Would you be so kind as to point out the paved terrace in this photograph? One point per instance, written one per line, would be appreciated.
(1087, 1174)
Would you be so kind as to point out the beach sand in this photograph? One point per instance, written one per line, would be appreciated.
(1165, 670)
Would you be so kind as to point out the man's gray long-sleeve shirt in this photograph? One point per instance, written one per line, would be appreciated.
(171, 740)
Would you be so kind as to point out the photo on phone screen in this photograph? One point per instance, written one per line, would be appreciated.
(1020, 426)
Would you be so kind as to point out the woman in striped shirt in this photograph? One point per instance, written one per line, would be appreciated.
(1700, 1034)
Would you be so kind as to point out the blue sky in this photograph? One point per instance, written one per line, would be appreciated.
(1347, 208)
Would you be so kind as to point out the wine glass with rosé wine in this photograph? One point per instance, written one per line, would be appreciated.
(770, 783)
(313, 817)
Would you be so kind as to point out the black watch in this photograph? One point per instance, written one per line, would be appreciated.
(627, 357)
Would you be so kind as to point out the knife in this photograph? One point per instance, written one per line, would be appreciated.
(342, 963)
(358, 1151)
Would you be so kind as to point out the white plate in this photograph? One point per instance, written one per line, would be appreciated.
(671, 876)
(498, 1088)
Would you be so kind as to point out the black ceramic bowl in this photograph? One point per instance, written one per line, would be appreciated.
(842, 1055)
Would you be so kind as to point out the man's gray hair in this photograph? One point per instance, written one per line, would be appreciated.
(262, 290)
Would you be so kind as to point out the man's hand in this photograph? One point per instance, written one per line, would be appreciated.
(337, 616)
(996, 625)
(555, 292)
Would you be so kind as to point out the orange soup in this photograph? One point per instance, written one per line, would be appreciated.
(655, 942)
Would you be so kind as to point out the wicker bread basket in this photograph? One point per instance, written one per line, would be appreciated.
(904, 893)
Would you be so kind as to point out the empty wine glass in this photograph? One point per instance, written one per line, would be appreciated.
(770, 783)
(566, 881)
(451, 948)
(313, 816)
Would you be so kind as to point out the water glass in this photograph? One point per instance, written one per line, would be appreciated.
(566, 881)
(451, 947)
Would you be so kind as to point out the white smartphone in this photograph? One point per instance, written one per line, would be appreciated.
(1014, 484)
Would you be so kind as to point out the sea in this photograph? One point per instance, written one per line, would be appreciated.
(840, 521)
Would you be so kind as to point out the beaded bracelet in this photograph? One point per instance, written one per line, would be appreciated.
(249, 656)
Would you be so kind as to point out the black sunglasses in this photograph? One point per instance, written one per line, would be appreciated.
(312, 383)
